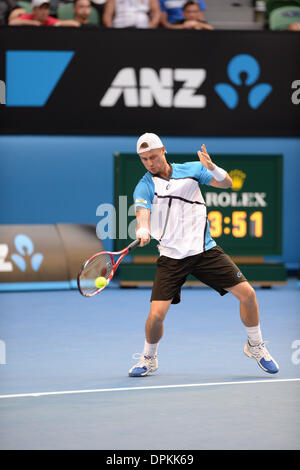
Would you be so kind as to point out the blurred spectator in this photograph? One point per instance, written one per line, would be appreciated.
(131, 14)
(7, 7)
(190, 12)
(283, 14)
(80, 11)
(172, 11)
(294, 26)
(99, 5)
(40, 17)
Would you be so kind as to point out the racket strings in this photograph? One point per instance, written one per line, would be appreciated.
(100, 266)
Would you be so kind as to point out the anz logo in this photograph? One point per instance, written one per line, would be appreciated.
(249, 66)
(146, 87)
(25, 254)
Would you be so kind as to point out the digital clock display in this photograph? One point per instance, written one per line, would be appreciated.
(239, 224)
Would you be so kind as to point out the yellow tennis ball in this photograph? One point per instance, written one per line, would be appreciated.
(100, 282)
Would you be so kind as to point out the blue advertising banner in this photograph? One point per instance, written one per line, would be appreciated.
(125, 82)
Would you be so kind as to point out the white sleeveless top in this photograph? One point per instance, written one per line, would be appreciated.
(131, 13)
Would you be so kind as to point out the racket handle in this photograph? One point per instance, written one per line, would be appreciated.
(133, 245)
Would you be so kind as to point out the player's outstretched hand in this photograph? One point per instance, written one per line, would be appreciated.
(205, 158)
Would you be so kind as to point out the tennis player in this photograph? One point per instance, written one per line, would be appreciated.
(170, 208)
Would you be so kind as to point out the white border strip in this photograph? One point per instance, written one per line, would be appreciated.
(154, 387)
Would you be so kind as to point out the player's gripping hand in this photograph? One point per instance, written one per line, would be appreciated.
(144, 235)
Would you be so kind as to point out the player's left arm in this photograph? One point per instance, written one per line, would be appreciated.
(221, 178)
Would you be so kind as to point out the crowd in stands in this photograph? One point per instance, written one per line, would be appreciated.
(283, 14)
(169, 14)
(177, 14)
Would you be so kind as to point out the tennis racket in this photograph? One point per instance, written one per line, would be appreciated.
(101, 264)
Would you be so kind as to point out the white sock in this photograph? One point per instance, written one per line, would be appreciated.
(254, 335)
(150, 349)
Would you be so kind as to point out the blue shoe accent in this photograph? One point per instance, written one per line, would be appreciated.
(138, 371)
(262, 357)
(268, 366)
(145, 365)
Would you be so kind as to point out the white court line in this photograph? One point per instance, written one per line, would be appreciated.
(153, 387)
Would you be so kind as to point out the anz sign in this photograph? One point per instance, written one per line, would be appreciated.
(146, 86)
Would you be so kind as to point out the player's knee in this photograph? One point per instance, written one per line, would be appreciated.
(158, 313)
(248, 295)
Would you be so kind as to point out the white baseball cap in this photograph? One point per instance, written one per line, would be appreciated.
(38, 3)
(152, 140)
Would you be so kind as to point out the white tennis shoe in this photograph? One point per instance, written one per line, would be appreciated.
(145, 365)
(262, 356)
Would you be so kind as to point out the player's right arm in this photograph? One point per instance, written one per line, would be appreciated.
(143, 225)
(143, 196)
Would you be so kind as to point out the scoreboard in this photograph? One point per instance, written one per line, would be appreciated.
(245, 220)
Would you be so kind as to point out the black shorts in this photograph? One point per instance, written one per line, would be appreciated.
(213, 267)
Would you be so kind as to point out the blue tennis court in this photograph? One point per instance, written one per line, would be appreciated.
(65, 361)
